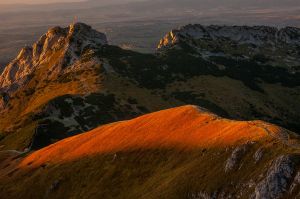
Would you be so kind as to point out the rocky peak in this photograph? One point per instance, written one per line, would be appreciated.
(256, 35)
(58, 48)
(83, 31)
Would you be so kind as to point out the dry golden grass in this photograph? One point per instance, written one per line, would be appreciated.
(184, 128)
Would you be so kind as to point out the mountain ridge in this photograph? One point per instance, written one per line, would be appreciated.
(256, 35)
(74, 80)
(267, 45)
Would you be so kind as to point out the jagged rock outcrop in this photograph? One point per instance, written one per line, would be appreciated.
(256, 35)
(56, 49)
(261, 44)
(258, 155)
(295, 184)
(277, 180)
(236, 156)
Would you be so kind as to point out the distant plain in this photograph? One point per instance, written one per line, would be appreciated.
(135, 24)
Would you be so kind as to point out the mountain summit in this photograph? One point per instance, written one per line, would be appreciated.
(55, 50)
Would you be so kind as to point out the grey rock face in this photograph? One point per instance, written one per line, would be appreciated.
(64, 45)
(256, 35)
(278, 178)
(295, 183)
(258, 155)
(237, 154)
(203, 195)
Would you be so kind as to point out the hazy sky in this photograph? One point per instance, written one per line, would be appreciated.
(219, 2)
(35, 1)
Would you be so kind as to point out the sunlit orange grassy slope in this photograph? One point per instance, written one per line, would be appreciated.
(183, 128)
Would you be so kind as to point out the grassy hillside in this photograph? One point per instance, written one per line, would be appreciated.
(183, 152)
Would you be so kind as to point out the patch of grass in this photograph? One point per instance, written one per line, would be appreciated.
(20, 139)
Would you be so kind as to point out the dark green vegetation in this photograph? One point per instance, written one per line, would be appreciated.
(157, 71)
(190, 98)
(250, 72)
